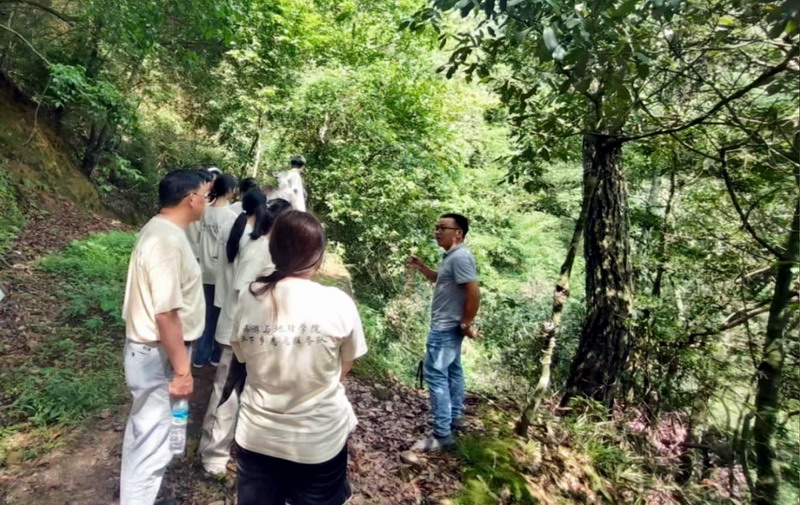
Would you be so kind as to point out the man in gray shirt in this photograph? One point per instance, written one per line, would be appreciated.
(456, 299)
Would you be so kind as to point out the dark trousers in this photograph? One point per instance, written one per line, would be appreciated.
(206, 348)
(264, 480)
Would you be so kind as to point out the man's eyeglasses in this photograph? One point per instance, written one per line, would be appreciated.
(206, 197)
(439, 228)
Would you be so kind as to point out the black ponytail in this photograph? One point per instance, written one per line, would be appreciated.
(252, 203)
(265, 219)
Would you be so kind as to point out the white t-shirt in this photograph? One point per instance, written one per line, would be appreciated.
(163, 275)
(290, 188)
(193, 236)
(236, 207)
(224, 294)
(293, 405)
(215, 220)
(255, 260)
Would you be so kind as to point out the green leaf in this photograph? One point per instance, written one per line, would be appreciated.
(583, 85)
(627, 7)
(488, 8)
(544, 153)
(777, 29)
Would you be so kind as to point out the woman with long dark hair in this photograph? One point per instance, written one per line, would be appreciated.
(216, 218)
(298, 340)
(255, 259)
(220, 419)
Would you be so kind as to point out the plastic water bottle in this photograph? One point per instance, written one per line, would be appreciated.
(177, 432)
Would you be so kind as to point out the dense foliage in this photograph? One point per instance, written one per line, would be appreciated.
(663, 135)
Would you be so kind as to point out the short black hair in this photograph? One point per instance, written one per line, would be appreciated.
(297, 162)
(205, 175)
(461, 221)
(247, 184)
(176, 185)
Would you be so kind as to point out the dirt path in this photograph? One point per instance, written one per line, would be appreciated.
(84, 470)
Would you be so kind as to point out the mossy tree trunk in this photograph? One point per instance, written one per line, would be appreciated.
(770, 371)
(605, 337)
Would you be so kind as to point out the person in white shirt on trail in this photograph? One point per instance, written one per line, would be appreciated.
(250, 227)
(193, 230)
(163, 312)
(298, 340)
(290, 184)
(216, 218)
(245, 185)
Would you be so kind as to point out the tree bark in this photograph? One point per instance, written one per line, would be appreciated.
(605, 336)
(95, 147)
(770, 371)
(561, 294)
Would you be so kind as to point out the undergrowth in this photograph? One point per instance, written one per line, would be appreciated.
(12, 218)
(75, 371)
(584, 457)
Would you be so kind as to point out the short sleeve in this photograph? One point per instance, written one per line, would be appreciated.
(164, 277)
(464, 269)
(354, 345)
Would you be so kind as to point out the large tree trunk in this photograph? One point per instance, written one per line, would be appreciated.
(770, 370)
(561, 294)
(96, 146)
(605, 336)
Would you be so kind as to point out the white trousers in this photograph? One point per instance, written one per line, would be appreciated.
(145, 448)
(219, 423)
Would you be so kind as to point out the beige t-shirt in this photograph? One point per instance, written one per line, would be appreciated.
(215, 220)
(224, 294)
(293, 405)
(193, 236)
(255, 260)
(163, 275)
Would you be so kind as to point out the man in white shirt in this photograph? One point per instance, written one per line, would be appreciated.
(290, 184)
(163, 313)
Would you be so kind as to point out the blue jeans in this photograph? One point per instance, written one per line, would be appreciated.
(445, 378)
(206, 348)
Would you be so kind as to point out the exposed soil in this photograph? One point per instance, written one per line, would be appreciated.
(84, 470)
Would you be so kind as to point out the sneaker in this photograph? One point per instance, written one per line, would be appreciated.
(434, 444)
(197, 365)
(214, 363)
(216, 473)
(457, 424)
